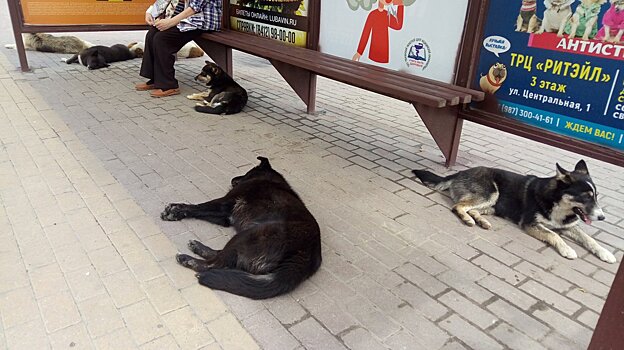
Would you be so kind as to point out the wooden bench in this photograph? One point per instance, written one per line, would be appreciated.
(436, 102)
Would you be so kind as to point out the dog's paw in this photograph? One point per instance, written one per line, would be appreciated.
(185, 260)
(173, 212)
(484, 224)
(195, 246)
(10, 46)
(606, 256)
(568, 252)
(195, 97)
(64, 59)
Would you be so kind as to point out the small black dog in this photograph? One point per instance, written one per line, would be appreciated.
(224, 95)
(97, 57)
(277, 243)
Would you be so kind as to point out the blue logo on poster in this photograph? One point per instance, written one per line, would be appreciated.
(417, 54)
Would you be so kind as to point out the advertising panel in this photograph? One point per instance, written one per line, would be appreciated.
(420, 37)
(556, 64)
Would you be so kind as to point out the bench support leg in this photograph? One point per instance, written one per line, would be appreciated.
(300, 80)
(445, 126)
(220, 54)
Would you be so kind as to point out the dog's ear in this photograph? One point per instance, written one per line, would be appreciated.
(264, 162)
(562, 174)
(581, 167)
(208, 62)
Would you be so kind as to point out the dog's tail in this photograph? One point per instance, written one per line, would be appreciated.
(281, 281)
(434, 181)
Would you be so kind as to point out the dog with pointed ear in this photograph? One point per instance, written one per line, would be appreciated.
(546, 208)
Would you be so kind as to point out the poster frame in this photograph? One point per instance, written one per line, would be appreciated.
(467, 72)
(20, 27)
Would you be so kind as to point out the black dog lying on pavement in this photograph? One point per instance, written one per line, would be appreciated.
(97, 57)
(277, 243)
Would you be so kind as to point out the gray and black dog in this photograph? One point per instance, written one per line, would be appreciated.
(96, 57)
(277, 243)
(545, 208)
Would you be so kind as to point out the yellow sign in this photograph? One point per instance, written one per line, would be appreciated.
(285, 35)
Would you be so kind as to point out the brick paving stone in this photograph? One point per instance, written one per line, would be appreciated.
(427, 334)
(119, 339)
(376, 293)
(187, 329)
(75, 336)
(204, 302)
(518, 319)
(544, 277)
(123, 288)
(58, 311)
(426, 305)
(100, 315)
(465, 286)
(162, 294)
(18, 306)
(501, 271)
(468, 334)
(467, 309)
(420, 278)
(495, 252)
(550, 297)
(313, 336)
(586, 299)
(329, 313)
(510, 293)
(230, 334)
(514, 339)
(371, 317)
(143, 322)
(589, 318)
(166, 342)
(286, 309)
(30, 335)
(85, 283)
(106, 261)
(361, 339)
(578, 334)
(269, 332)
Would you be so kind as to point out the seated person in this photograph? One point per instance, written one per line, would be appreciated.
(173, 24)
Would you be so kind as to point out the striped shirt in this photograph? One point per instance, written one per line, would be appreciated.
(207, 14)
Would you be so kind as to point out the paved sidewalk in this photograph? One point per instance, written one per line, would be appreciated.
(87, 164)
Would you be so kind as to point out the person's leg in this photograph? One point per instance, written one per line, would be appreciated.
(147, 64)
(166, 44)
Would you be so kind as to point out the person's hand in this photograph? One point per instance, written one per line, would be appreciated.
(149, 19)
(356, 57)
(164, 24)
